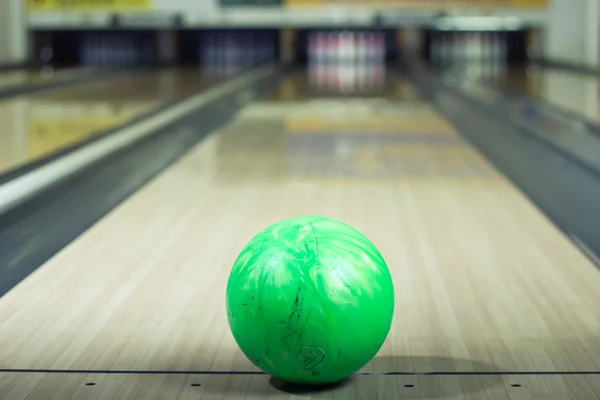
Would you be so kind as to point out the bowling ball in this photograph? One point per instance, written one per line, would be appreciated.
(310, 300)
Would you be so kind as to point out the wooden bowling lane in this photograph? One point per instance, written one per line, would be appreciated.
(39, 124)
(485, 284)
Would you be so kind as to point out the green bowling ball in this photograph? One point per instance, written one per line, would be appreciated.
(310, 300)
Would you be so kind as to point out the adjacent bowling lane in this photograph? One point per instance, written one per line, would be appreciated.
(42, 123)
(26, 77)
(483, 281)
(575, 92)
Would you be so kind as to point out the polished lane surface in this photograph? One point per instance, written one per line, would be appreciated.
(39, 124)
(484, 282)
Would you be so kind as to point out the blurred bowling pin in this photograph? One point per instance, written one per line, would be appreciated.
(322, 47)
(346, 47)
(361, 47)
(332, 47)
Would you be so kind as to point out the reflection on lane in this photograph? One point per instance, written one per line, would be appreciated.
(343, 80)
(40, 124)
(255, 150)
(347, 78)
(343, 140)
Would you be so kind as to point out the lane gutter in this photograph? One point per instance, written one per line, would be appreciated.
(566, 191)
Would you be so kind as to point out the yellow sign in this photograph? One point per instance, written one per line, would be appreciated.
(89, 5)
(530, 3)
(420, 4)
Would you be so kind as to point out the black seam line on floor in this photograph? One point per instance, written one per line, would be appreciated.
(84, 76)
(368, 373)
(565, 191)
(22, 170)
(36, 230)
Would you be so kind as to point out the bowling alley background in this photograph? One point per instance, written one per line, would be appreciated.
(346, 45)
(116, 32)
(243, 48)
(246, 33)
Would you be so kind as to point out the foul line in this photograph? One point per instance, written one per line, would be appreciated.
(374, 373)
